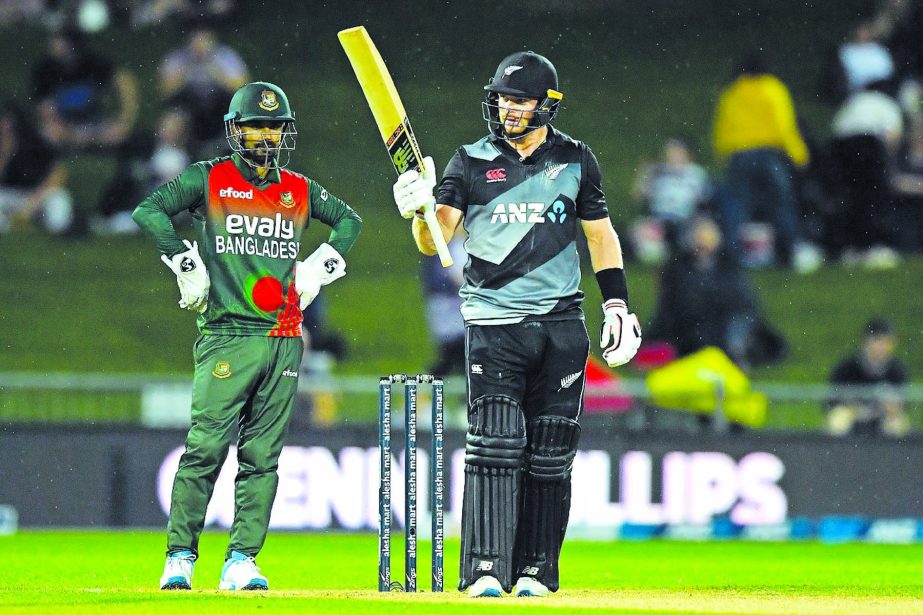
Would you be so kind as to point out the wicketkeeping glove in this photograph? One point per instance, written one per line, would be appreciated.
(322, 267)
(621, 334)
(414, 191)
(191, 277)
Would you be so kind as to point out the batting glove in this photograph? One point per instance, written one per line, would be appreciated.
(621, 333)
(322, 267)
(191, 277)
(413, 191)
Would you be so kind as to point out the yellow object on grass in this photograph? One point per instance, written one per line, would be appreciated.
(704, 381)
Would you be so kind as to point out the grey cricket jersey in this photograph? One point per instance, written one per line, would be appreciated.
(521, 216)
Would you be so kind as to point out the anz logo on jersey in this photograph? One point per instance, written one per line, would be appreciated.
(528, 213)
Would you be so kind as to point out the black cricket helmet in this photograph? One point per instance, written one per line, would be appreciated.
(524, 74)
(260, 101)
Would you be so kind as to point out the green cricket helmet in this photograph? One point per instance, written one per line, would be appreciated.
(260, 101)
(524, 74)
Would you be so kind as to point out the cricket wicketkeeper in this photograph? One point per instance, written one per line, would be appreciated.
(244, 281)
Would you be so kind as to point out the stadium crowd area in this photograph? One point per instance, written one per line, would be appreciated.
(740, 174)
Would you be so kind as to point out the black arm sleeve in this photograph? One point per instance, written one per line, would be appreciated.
(591, 201)
(453, 189)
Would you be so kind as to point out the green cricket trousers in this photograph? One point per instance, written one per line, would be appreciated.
(240, 380)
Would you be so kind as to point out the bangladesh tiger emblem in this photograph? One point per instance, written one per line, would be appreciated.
(268, 100)
(286, 199)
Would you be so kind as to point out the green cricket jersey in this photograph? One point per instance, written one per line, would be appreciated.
(249, 238)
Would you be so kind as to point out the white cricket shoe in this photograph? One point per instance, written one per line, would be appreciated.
(177, 572)
(486, 587)
(529, 587)
(241, 572)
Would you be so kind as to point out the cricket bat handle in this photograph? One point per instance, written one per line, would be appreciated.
(435, 230)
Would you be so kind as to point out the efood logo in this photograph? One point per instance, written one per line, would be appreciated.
(495, 175)
(236, 194)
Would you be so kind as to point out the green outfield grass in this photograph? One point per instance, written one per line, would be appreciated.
(89, 572)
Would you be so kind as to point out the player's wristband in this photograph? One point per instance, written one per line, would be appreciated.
(612, 284)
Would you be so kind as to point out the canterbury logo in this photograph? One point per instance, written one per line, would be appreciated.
(495, 175)
(566, 381)
(553, 170)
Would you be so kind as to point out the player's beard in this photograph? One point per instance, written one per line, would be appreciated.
(264, 155)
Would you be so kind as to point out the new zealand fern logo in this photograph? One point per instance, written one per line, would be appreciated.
(567, 381)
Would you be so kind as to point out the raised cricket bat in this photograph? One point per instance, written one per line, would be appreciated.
(390, 116)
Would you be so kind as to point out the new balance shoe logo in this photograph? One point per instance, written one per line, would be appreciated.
(566, 381)
(484, 566)
(529, 571)
(553, 170)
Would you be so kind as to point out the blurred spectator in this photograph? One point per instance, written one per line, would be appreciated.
(899, 25)
(706, 301)
(864, 412)
(74, 87)
(20, 11)
(864, 59)
(672, 189)
(32, 183)
(200, 78)
(443, 309)
(907, 183)
(319, 338)
(157, 12)
(867, 132)
(756, 131)
(146, 165)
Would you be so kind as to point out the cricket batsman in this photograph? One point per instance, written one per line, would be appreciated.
(522, 191)
(243, 279)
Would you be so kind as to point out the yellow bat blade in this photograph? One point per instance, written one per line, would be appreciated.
(375, 80)
(390, 116)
